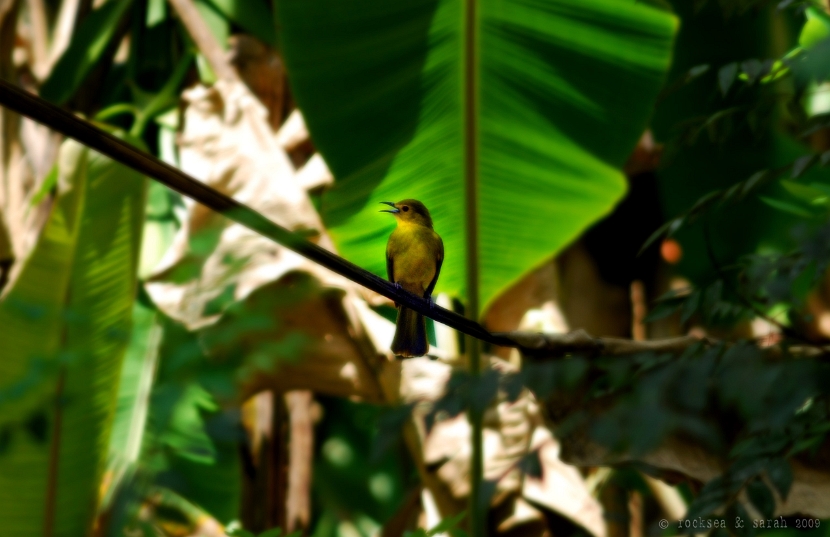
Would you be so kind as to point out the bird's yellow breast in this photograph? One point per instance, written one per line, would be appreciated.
(414, 251)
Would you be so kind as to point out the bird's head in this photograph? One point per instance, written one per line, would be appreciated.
(410, 212)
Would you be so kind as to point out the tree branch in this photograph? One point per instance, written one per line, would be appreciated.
(32, 106)
(532, 344)
(581, 342)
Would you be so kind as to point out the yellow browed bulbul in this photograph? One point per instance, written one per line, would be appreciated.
(414, 255)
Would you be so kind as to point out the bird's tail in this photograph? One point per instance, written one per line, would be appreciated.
(410, 334)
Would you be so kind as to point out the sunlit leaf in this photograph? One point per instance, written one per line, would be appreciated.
(809, 193)
(817, 27)
(552, 129)
(186, 429)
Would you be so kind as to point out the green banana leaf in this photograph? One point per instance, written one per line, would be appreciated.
(64, 326)
(137, 372)
(564, 89)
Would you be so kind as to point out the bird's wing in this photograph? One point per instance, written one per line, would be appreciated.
(438, 262)
(390, 266)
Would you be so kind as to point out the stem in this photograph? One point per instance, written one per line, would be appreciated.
(205, 42)
(478, 511)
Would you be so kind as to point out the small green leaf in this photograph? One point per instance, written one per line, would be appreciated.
(761, 497)
(732, 194)
(696, 71)
(786, 206)
(711, 497)
(156, 12)
(705, 202)
(780, 475)
(801, 165)
(737, 511)
(690, 307)
(46, 186)
(752, 69)
(754, 181)
(804, 192)
(726, 76)
(447, 524)
(816, 29)
(664, 308)
(186, 431)
(667, 229)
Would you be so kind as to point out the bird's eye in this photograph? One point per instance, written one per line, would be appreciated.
(405, 208)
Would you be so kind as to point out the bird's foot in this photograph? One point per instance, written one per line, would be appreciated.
(431, 302)
(397, 285)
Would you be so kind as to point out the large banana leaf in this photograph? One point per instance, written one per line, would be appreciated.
(63, 330)
(564, 89)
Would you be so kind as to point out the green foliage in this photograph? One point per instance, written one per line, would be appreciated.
(550, 137)
(564, 88)
(193, 432)
(353, 478)
(65, 325)
(752, 408)
(93, 38)
(735, 131)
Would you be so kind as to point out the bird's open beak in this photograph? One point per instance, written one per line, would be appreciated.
(393, 210)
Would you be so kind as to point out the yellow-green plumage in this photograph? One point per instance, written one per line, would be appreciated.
(414, 255)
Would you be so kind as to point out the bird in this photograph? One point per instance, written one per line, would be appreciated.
(414, 254)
